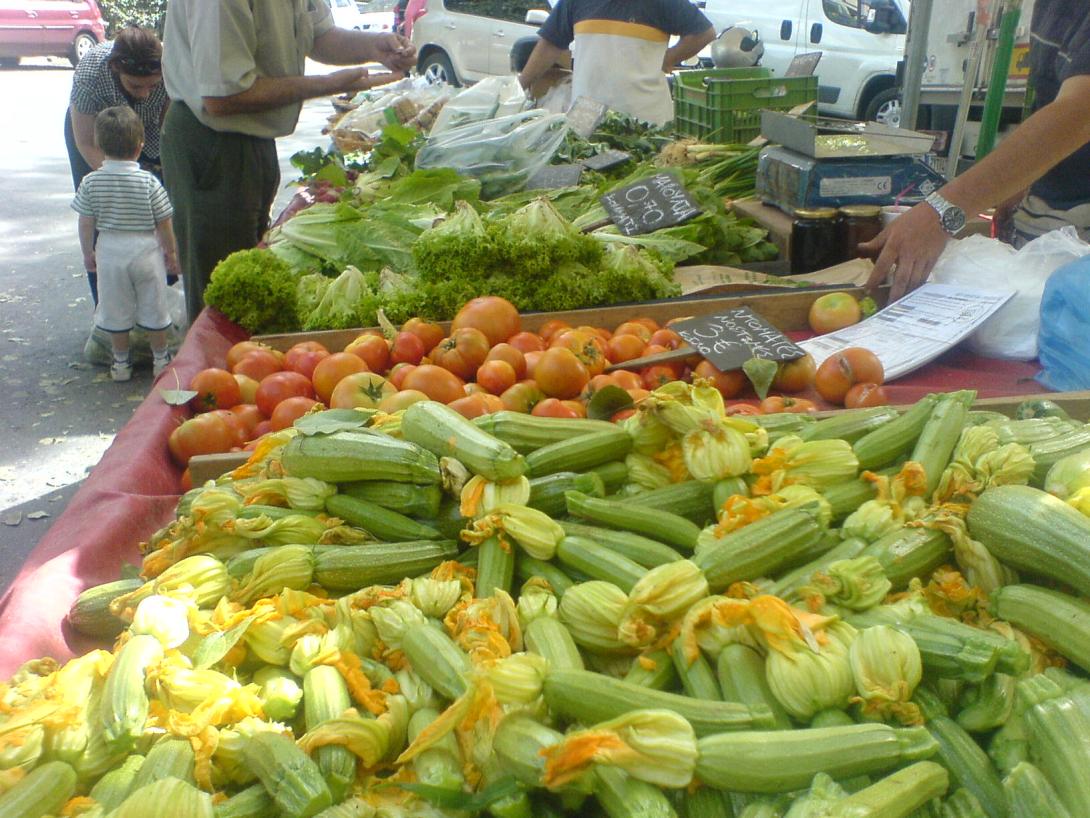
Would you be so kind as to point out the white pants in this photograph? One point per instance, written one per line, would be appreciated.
(132, 282)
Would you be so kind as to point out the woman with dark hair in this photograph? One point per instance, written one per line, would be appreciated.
(126, 71)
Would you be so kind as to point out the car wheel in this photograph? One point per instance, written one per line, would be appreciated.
(885, 108)
(436, 68)
(83, 43)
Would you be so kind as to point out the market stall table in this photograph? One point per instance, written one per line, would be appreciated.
(133, 492)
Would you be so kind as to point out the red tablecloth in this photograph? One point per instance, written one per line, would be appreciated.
(134, 489)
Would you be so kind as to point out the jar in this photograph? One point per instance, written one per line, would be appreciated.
(858, 223)
(814, 240)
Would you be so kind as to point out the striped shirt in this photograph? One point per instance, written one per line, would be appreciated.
(121, 196)
(96, 88)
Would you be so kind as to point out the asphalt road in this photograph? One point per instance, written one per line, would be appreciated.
(58, 413)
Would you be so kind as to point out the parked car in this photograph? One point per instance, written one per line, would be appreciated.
(48, 28)
(462, 41)
(861, 42)
(347, 14)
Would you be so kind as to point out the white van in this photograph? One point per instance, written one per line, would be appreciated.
(861, 42)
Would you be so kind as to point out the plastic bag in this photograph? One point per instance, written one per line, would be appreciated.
(1065, 328)
(988, 264)
(417, 106)
(502, 153)
(490, 98)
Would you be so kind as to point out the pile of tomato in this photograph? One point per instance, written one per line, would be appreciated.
(487, 363)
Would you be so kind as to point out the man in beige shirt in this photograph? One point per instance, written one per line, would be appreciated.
(234, 71)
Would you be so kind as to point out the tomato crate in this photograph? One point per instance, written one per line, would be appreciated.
(725, 104)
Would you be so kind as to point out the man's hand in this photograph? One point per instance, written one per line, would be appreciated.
(394, 51)
(351, 80)
(908, 247)
(89, 263)
(171, 259)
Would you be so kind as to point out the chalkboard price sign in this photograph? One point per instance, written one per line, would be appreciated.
(650, 204)
(728, 339)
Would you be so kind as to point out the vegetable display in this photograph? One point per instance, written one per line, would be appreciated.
(412, 613)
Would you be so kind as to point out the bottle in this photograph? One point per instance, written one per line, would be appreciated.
(858, 223)
(814, 241)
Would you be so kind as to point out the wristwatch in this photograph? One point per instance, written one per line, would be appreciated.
(951, 217)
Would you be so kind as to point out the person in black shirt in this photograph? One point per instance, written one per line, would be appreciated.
(1040, 173)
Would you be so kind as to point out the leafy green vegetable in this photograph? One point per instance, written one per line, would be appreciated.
(458, 247)
(536, 239)
(256, 290)
(341, 303)
(761, 373)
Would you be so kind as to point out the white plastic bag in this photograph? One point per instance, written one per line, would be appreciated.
(989, 264)
(502, 153)
(490, 98)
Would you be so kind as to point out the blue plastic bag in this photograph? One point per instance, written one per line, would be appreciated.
(1064, 337)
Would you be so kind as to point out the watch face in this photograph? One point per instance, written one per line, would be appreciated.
(953, 219)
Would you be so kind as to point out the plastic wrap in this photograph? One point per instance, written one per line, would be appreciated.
(407, 102)
(502, 153)
(491, 98)
(1065, 328)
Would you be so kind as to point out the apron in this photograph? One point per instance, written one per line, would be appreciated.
(619, 64)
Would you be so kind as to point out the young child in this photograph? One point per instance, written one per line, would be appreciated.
(132, 213)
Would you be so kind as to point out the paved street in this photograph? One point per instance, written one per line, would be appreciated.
(58, 413)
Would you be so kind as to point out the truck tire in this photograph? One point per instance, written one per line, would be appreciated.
(435, 67)
(885, 108)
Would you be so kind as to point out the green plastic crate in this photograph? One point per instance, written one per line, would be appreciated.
(725, 104)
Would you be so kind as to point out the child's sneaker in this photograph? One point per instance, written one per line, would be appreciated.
(161, 363)
(121, 370)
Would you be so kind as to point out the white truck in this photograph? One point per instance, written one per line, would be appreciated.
(863, 41)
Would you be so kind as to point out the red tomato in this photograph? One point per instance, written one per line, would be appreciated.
(401, 400)
(587, 345)
(624, 347)
(496, 317)
(334, 368)
(527, 342)
(247, 387)
(552, 328)
(435, 382)
(865, 394)
(623, 415)
(258, 364)
(243, 348)
(398, 373)
(462, 352)
(627, 379)
(290, 410)
(834, 311)
(637, 394)
(496, 376)
(407, 348)
(601, 332)
(838, 373)
(187, 480)
(560, 374)
(510, 353)
(522, 397)
(216, 389)
(428, 332)
(636, 328)
(470, 406)
(667, 338)
(796, 375)
(250, 416)
(372, 350)
(657, 375)
(304, 356)
(493, 402)
(207, 433)
(362, 389)
(650, 323)
(530, 360)
(774, 404)
(556, 408)
(234, 423)
(596, 383)
(262, 428)
(728, 383)
(280, 386)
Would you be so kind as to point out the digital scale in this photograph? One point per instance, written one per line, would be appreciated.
(824, 162)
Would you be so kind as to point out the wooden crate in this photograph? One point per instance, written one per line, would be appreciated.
(785, 311)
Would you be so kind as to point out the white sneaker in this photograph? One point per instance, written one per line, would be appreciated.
(121, 370)
(160, 364)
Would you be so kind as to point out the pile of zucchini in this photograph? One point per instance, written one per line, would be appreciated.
(880, 614)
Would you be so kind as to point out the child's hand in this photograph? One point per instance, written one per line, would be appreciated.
(172, 264)
(89, 263)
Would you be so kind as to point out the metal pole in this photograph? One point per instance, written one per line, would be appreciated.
(997, 86)
(919, 22)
